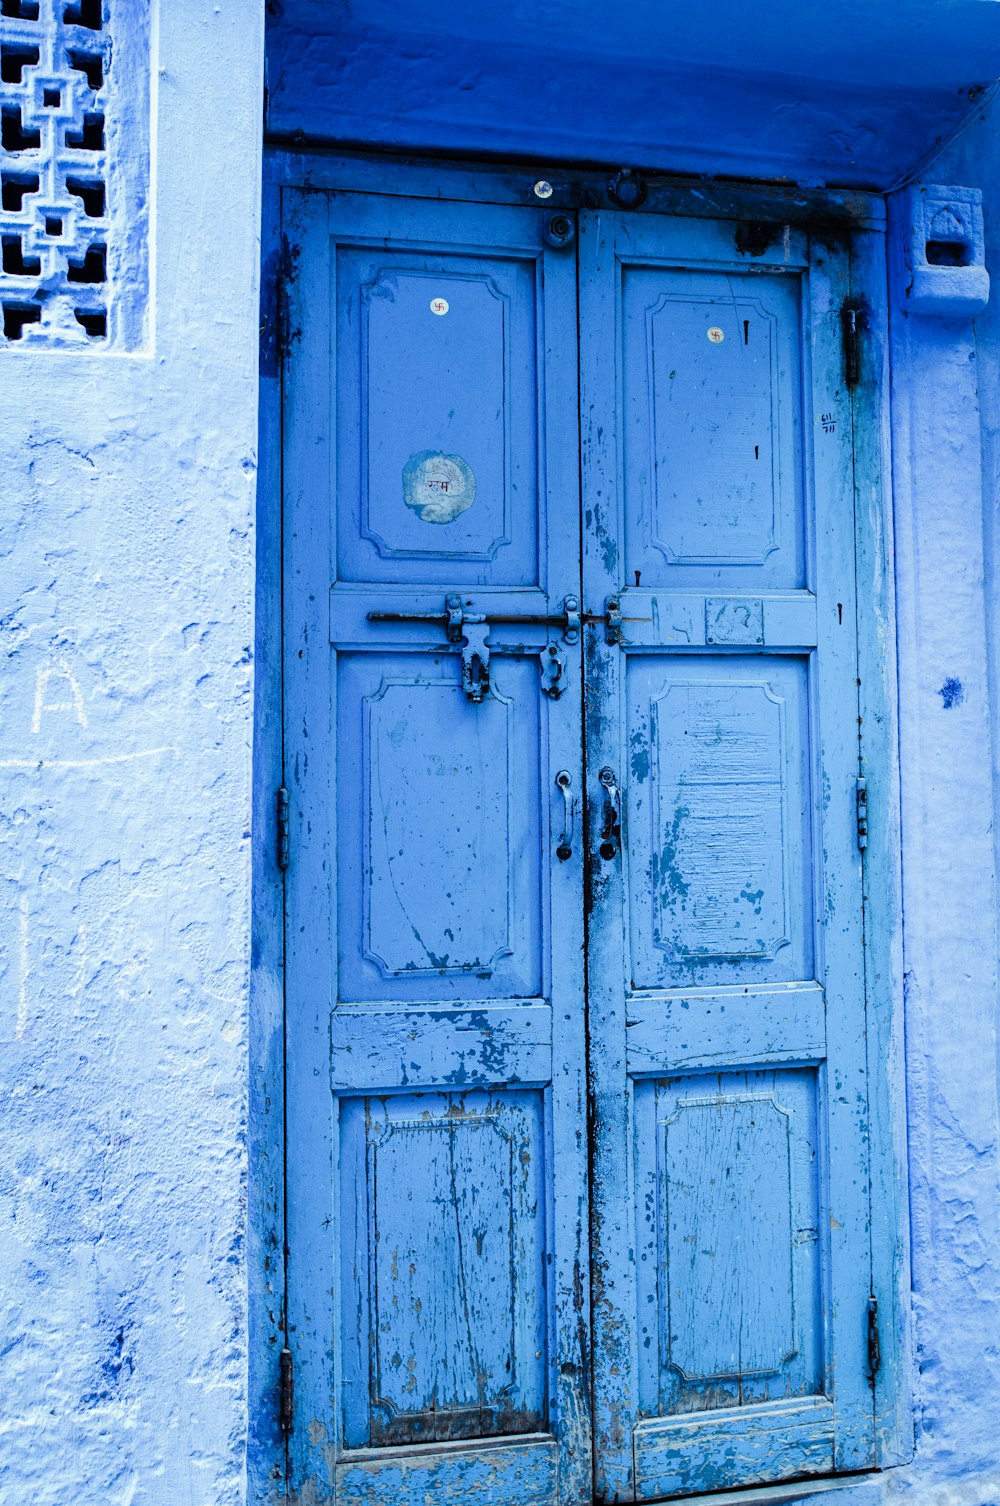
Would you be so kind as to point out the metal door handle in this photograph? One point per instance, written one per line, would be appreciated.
(611, 830)
(565, 848)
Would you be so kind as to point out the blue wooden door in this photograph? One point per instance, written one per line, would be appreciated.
(731, 1263)
(516, 825)
(436, 1096)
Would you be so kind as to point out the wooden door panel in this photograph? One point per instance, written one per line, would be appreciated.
(522, 1472)
(731, 1163)
(436, 1054)
(730, 1283)
(446, 1332)
(439, 853)
(719, 851)
(769, 1442)
(711, 402)
(726, 1002)
(437, 409)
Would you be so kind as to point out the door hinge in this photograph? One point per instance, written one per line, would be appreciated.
(276, 333)
(852, 317)
(286, 1390)
(283, 300)
(874, 1342)
(861, 797)
(274, 313)
(283, 837)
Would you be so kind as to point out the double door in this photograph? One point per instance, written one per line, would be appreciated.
(578, 1186)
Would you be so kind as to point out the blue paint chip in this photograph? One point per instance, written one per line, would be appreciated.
(952, 693)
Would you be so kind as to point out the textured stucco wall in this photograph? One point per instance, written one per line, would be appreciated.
(731, 87)
(125, 729)
(949, 899)
(951, 916)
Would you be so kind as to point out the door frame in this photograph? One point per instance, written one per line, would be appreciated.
(836, 213)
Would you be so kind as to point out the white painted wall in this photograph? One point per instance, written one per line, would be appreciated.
(126, 542)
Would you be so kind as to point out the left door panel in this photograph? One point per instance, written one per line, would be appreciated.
(435, 1035)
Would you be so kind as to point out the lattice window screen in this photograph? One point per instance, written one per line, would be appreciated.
(73, 173)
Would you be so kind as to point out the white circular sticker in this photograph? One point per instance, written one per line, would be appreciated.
(543, 190)
(716, 335)
(439, 305)
(439, 488)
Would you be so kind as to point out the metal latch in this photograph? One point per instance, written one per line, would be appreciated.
(475, 659)
(470, 630)
(553, 672)
(612, 620)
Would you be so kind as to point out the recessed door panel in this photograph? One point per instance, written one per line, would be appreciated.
(711, 396)
(447, 1338)
(439, 856)
(437, 408)
(720, 820)
(732, 1166)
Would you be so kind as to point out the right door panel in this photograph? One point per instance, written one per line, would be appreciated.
(725, 961)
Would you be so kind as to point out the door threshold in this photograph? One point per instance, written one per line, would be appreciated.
(774, 1495)
(368, 1455)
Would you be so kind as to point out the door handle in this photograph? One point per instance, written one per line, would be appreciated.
(611, 828)
(565, 848)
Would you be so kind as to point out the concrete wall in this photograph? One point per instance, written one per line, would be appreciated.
(946, 393)
(125, 738)
(943, 398)
(750, 90)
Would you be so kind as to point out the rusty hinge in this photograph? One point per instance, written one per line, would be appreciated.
(861, 798)
(874, 1342)
(283, 838)
(273, 314)
(283, 302)
(281, 320)
(852, 319)
(286, 1390)
(276, 333)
